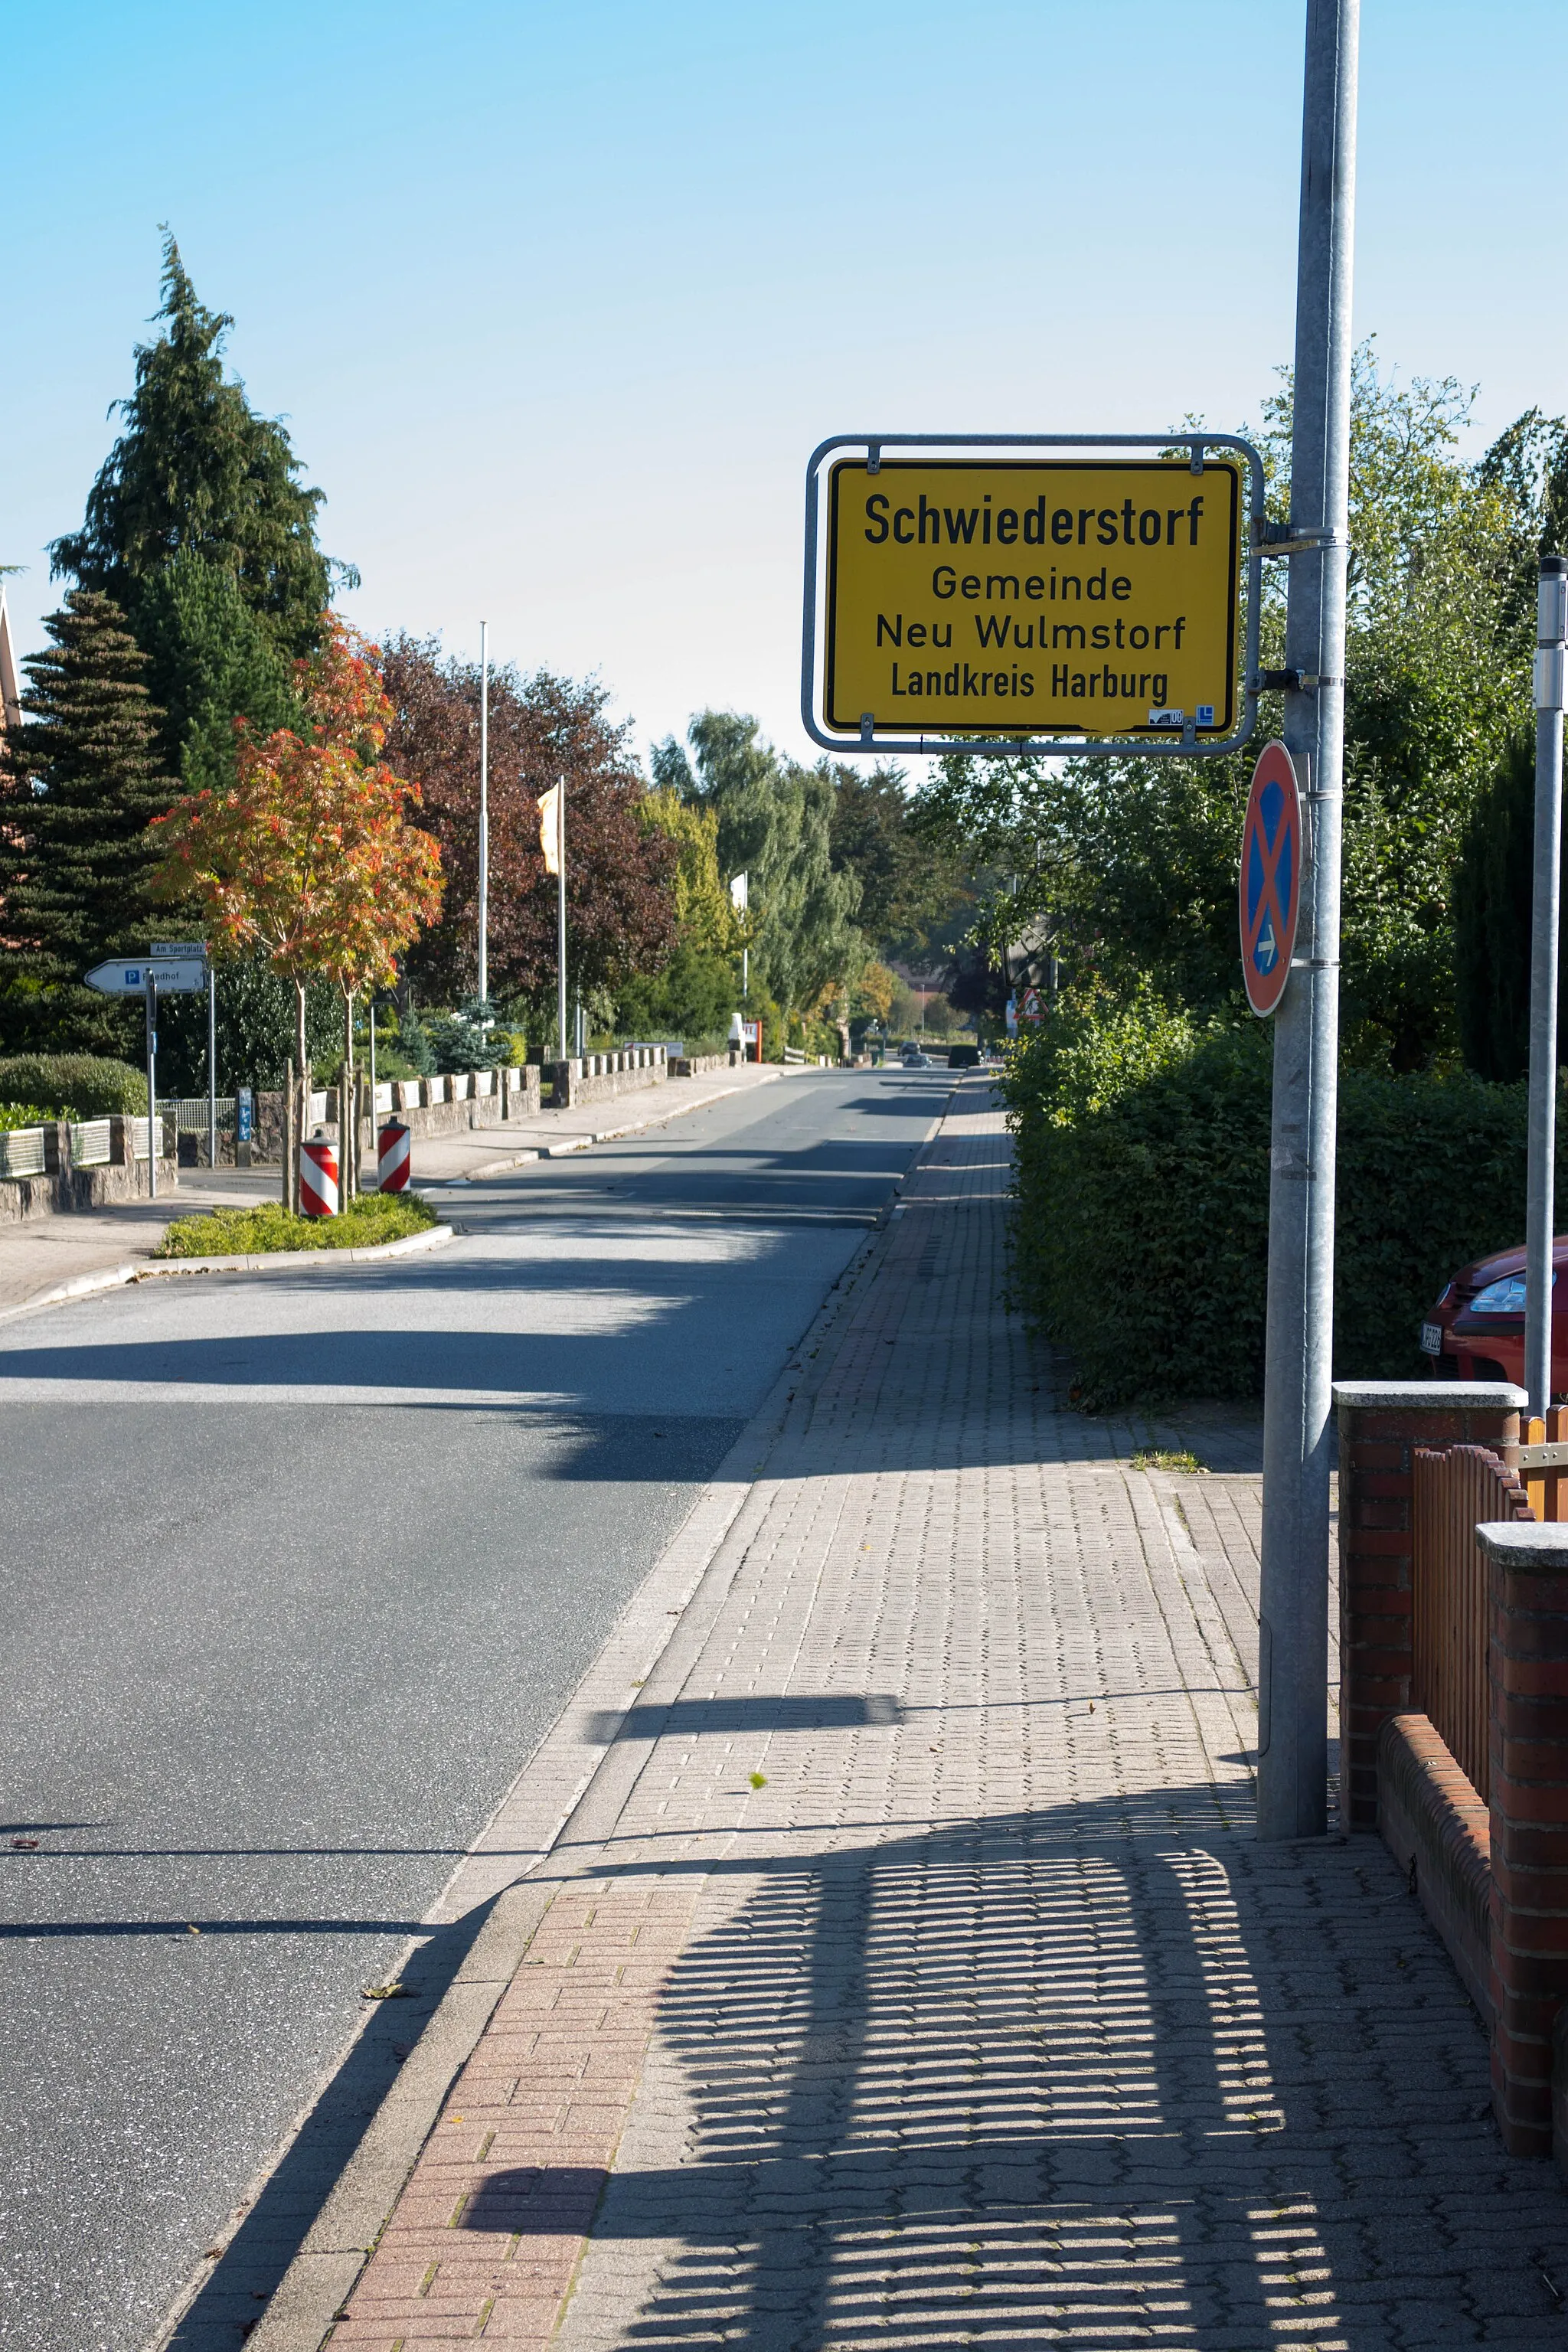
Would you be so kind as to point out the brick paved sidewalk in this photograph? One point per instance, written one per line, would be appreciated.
(930, 1986)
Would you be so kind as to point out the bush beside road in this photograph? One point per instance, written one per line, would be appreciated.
(365, 1223)
(1139, 1237)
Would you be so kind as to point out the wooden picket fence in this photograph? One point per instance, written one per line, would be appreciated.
(1451, 1491)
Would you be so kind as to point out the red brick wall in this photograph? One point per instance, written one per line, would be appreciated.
(1380, 1422)
(1529, 1765)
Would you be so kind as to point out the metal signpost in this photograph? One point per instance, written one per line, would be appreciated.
(181, 950)
(1270, 885)
(1550, 663)
(184, 973)
(1292, 1667)
(484, 974)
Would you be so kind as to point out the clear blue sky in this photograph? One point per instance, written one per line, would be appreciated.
(557, 298)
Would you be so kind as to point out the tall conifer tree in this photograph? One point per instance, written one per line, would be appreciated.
(196, 468)
(84, 781)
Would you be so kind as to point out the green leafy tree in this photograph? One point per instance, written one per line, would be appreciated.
(197, 468)
(775, 823)
(82, 783)
(1135, 859)
(695, 992)
(910, 883)
(1493, 893)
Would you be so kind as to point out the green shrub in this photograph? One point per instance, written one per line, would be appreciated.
(365, 1223)
(92, 1087)
(14, 1116)
(1140, 1227)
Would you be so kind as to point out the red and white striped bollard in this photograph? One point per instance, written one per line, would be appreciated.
(319, 1177)
(392, 1160)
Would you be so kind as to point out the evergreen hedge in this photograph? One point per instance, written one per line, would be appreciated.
(1140, 1225)
(88, 1085)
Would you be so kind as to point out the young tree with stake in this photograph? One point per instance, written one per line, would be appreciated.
(310, 858)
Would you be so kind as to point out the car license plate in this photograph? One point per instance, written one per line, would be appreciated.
(1432, 1339)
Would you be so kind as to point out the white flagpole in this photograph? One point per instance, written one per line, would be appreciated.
(484, 808)
(560, 904)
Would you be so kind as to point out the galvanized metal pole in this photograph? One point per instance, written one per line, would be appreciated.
(1551, 628)
(1292, 1769)
(561, 916)
(212, 1068)
(152, 1088)
(484, 810)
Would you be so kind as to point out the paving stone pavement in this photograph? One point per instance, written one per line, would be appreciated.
(931, 1987)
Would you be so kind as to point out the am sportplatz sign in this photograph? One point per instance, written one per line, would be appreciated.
(1270, 882)
(982, 594)
(183, 974)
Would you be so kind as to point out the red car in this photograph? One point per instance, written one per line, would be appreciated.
(1475, 1330)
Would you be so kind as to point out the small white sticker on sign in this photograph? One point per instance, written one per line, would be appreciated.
(1166, 717)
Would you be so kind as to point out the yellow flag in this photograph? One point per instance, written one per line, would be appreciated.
(551, 828)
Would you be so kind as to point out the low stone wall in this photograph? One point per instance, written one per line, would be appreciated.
(700, 1065)
(449, 1105)
(63, 1189)
(600, 1077)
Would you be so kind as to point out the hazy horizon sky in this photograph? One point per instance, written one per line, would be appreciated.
(556, 301)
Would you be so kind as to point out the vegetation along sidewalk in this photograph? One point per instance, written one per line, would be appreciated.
(911, 1963)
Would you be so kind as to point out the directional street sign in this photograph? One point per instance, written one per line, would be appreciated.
(171, 976)
(1032, 595)
(1271, 889)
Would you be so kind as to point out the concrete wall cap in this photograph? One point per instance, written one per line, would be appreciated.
(1430, 1396)
(1524, 1543)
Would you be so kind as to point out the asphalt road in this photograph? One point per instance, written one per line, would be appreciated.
(296, 1573)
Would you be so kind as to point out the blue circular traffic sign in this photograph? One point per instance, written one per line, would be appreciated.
(1271, 889)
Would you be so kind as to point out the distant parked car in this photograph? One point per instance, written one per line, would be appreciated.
(963, 1057)
(1475, 1330)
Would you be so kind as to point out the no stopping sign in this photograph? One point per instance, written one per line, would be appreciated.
(1271, 888)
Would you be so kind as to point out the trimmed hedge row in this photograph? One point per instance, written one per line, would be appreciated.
(90, 1085)
(1140, 1228)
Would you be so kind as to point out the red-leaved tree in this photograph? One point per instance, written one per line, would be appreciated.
(310, 857)
(620, 876)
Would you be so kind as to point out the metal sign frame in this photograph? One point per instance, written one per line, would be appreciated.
(1025, 742)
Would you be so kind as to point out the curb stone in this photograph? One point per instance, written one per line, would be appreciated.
(334, 2249)
(115, 1277)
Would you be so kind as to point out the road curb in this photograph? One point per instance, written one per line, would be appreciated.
(300, 2314)
(284, 1261)
(116, 1277)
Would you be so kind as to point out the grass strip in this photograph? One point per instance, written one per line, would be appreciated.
(365, 1223)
